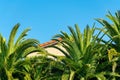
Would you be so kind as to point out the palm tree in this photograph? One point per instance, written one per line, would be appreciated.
(43, 68)
(82, 52)
(112, 30)
(13, 60)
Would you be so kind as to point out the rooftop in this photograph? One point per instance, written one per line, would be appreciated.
(52, 42)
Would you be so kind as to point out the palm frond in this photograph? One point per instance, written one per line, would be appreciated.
(21, 37)
(11, 38)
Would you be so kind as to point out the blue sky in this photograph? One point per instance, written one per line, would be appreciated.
(48, 17)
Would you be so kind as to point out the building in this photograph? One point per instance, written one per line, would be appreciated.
(50, 50)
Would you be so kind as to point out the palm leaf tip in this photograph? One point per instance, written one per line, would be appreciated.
(118, 12)
(12, 37)
(22, 35)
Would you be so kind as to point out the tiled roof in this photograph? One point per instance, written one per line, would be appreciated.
(52, 42)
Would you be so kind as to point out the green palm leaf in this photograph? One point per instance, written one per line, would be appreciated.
(13, 54)
(81, 51)
(11, 38)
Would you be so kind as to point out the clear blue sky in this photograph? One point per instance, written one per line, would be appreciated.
(48, 17)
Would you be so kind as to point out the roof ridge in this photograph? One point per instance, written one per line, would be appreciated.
(49, 43)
